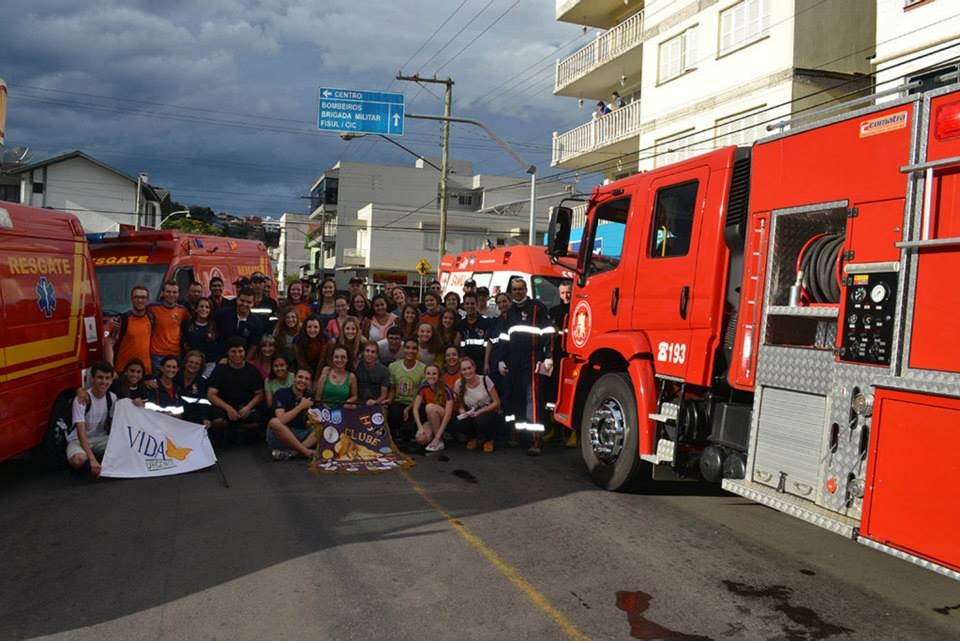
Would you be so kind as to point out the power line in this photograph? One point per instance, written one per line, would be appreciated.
(455, 36)
(477, 37)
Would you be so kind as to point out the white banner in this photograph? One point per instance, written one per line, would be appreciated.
(144, 443)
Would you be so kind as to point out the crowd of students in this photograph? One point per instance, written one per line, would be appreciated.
(444, 368)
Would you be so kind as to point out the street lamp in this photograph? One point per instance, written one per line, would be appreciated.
(350, 136)
(172, 214)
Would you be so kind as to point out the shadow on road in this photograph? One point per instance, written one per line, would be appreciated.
(77, 552)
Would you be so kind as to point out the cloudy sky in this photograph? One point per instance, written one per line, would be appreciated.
(217, 100)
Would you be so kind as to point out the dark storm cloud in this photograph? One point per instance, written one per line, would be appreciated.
(217, 100)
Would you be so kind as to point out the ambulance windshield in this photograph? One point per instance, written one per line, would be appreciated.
(116, 281)
(545, 289)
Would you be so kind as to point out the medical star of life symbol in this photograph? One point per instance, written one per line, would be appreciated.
(46, 297)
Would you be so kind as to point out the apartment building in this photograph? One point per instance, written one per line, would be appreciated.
(384, 218)
(917, 41)
(699, 74)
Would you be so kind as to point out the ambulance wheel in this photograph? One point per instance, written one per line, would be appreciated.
(608, 434)
(52, 450)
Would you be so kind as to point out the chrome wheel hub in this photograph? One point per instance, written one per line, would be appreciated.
(608, 429)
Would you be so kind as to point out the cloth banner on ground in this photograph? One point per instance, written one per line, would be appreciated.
(144, 443)
(354, 440)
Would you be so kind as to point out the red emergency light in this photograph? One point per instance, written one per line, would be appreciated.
(947, 121)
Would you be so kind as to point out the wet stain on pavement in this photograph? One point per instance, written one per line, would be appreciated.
(443, 458)
(465, 475)
(946, 609)
(808, 572)
(635, 604)
(580, 599)
(813, 627)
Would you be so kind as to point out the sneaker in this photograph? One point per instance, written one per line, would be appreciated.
(488, 446)
(281, 455)
(439, 447)
(472, 444)
(534, 450)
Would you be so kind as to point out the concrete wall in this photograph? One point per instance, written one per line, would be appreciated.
(294, 231)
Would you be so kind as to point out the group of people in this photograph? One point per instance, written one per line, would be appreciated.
(443, 367)
(603, 108)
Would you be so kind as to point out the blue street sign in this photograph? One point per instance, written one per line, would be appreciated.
(360, 112)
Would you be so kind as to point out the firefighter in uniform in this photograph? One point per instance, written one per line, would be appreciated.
(529, 336)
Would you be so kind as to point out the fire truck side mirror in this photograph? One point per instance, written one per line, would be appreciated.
(558, 235)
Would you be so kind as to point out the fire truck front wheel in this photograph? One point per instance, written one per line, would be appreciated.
(608, 434)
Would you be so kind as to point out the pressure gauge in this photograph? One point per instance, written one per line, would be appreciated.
(878, 293)
(859, 294)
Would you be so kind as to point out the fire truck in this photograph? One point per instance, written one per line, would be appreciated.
(49, 327)
(780, 319)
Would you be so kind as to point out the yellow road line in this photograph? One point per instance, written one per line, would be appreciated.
(506, 569)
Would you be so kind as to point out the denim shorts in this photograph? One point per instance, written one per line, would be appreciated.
(300, 432)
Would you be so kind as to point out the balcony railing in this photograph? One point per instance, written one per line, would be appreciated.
(599, 132)
(606, 47)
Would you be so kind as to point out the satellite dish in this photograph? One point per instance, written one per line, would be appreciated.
(17, 155)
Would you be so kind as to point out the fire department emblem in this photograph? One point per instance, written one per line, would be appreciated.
(580, 331)
(46, 297)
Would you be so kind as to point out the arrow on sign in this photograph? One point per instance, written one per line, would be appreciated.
(327, 93)
(396, 120)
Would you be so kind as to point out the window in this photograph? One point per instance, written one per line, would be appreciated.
(678, 54)
(465, 199)
(38, 188)
(743, 23)
(674, 148)
(740, 129)
(431, 241)
(673, 220)
(613, 217)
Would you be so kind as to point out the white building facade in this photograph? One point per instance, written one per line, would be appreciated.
(700, 74)
(102, 197)
(380, 220)
(917, 40)
(293, 254)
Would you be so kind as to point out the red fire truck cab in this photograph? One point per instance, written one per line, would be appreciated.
(780, 319)
(49, 326)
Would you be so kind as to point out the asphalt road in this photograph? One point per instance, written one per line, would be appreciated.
(464, 546)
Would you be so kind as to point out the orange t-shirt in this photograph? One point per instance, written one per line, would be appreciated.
(135, 343)
(165, 340)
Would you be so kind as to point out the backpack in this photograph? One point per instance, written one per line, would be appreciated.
(124, 321)
(86, 412)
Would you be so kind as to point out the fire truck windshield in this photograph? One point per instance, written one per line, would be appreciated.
(545, 289)
(116, 281)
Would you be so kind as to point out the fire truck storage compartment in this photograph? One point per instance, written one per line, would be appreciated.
(935, 339)
(789, 321)
(912, 459)
(789, 441)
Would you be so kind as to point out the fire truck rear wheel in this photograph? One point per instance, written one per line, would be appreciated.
(51, 452)
(608, 434)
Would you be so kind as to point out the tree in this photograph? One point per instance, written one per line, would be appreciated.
(192, 226)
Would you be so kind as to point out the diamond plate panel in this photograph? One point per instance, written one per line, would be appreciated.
(793, 368)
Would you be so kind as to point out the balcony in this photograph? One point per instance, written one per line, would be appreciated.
(592, 13)
(354, 257)
(601, 139)
(324, 212)
(613, 56)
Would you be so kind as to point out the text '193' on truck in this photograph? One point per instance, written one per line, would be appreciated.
(780, 319)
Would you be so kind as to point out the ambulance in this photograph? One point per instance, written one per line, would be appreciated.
(49, 321)
(151, 257)
(493, 269)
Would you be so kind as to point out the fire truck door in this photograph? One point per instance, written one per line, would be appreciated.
(605, 275)
(666, 268)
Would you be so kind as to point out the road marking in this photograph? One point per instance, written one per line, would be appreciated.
(506, 569)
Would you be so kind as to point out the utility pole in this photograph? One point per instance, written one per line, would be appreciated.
(444, 155)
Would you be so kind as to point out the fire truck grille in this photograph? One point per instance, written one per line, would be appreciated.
(739, 192)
